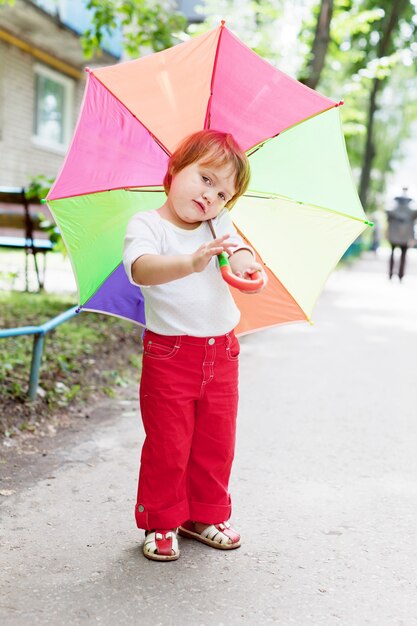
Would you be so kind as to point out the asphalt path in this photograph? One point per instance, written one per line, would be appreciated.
(324, 488)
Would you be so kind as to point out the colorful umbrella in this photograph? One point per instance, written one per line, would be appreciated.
(300, 213)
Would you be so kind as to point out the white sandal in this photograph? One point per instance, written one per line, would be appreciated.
(221, 536)
(161, 545)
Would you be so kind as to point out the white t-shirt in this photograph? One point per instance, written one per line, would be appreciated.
(200, 304)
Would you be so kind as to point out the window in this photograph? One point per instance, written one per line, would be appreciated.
(54, 94)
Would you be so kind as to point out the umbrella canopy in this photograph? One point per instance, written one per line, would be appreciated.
(301, 210)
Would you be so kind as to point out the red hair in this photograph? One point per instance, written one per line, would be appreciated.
(211, 147)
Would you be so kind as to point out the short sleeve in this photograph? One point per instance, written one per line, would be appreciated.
(143, 236)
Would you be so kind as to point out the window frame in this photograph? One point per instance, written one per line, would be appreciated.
(67, 113)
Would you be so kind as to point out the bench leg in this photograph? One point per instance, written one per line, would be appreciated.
(38, 277)
(26, 270)
(43, 271)
(40, 272)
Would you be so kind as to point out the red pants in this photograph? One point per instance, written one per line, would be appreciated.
(188, 400)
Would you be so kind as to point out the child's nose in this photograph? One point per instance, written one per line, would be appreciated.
(208, 195)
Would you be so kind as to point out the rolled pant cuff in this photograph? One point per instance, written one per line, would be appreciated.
(210, 513)
(167, 518)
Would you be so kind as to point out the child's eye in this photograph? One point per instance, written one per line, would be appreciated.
(222, 196)
(206, 179)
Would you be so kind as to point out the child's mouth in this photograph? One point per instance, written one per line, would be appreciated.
(200, 206)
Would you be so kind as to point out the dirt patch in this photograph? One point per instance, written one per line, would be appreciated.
(32, 456)
(100, 374)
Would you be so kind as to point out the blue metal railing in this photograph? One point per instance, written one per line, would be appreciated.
(39, 333)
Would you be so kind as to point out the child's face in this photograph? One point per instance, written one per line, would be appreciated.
(199, 192)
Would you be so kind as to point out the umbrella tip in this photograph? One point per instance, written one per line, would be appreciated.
(43, 200)
(88, 70)
(340, 103)
(222, 23)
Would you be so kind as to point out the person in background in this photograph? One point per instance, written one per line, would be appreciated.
(401, 221)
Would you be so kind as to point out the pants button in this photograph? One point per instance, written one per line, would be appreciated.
(211, 341)
(141, 508)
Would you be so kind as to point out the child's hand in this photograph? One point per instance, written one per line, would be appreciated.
(201, 258)
(244, 265)
(251, 269)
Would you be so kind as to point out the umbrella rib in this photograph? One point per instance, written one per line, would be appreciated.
(290, 295)
(256, 147)
(330, 271)
(121, 317)
(308, 317)
(147, 189)
(274, 196)
(213, 74)
(157, 141)
(274, 325)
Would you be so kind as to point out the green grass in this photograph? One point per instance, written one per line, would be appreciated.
(87, 356)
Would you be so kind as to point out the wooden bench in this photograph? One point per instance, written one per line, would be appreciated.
(28, 224)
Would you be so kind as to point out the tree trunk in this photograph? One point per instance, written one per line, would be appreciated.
(369, 153)
(320, 44)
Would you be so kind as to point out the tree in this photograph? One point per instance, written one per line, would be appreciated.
(320, 45)
(353, 50)
(144, 23)
(391, 25)
(257, 22)
(370, 48)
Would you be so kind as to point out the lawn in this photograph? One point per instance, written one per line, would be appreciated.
(84, 359)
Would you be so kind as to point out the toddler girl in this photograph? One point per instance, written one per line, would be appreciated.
(189, 382)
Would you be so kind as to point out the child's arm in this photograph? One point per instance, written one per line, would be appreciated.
(156, 269)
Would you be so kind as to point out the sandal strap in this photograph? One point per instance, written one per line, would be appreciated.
(163, 542)
(212, 532)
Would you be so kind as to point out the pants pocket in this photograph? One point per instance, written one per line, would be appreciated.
(161, 348)
(233, 349)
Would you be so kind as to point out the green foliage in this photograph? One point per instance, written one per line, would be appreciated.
(256, 22)
(74, 353)
(398, 109)
(9, 277)
(134, 360)
(354, 62)
(144, 24)
(38, 189)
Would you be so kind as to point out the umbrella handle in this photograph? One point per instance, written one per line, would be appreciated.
(252, 284)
